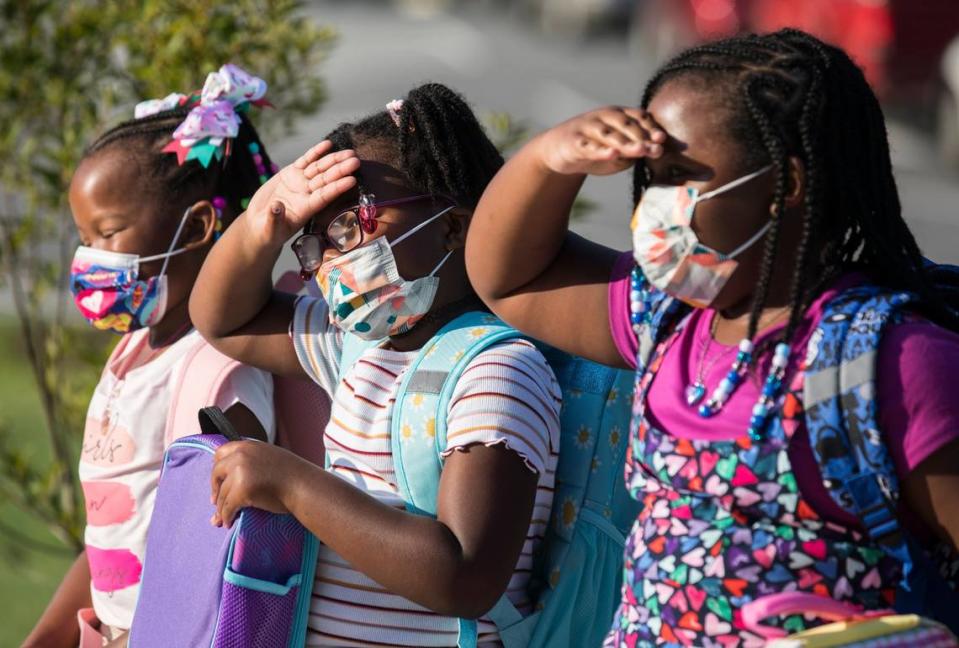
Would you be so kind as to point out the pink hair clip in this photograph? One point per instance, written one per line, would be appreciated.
(393, 108)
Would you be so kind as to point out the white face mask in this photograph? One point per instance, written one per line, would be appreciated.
(668, 250)
(366, 294)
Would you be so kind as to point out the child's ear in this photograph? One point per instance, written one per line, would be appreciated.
(457, 223)
(200, 225)
(795, 182)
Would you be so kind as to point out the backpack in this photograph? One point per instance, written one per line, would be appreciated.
(579, 565)
(247, 585)
(839, 410)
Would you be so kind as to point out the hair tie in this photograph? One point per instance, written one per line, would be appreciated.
(393, 108)
(214, 121)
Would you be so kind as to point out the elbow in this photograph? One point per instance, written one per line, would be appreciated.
(482, 275)
(469, 595)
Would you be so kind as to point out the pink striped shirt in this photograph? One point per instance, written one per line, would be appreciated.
(507, 395)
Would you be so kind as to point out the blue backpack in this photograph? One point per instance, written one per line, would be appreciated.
(840, 414)
(840, 411)
(579, 566)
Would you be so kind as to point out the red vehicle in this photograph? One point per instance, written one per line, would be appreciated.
(902, 45)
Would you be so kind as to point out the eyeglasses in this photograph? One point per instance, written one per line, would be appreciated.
(344, 233)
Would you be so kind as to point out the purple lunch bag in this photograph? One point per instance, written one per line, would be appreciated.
(245, 586)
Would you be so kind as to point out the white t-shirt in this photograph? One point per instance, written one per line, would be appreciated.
(507, 396)
(123, 446)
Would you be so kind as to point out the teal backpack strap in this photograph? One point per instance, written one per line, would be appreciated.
(418, 426)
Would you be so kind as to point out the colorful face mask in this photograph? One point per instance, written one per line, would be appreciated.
(108, 291)
(668, 250)
(368, 297)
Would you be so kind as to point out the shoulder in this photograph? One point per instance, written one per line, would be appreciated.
(918, 410)
(514, 361)
(508, 395)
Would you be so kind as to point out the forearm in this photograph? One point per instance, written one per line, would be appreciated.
(234, 284)
(58, 624)
(520, 223)
(422, 560)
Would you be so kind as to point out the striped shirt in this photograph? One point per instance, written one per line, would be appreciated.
(506, 396)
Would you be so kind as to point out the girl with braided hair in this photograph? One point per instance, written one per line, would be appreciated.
(384, 205)
(765, 204)
(149, 199)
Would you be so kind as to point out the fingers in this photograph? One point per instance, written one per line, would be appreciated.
(629, 132)
(327, 193)
(313, 154)
(334, 171)
(226, 508)
(324, 163)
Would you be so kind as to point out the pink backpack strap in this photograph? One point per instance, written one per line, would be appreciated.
(196, 386)
(786, 603)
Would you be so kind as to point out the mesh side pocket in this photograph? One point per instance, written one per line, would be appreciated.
(250, 618)
(268, 546)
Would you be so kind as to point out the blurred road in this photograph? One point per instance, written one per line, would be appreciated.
(501, 65)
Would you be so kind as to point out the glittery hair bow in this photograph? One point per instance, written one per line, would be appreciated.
(214, 120)
(393, 108)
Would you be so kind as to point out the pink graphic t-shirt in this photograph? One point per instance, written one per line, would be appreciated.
(121, 455)
(917, 405)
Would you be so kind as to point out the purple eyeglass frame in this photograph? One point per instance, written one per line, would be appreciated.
(366, 210)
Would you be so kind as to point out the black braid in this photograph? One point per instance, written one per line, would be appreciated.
(438, 145)
(789, 94)
(236, 178)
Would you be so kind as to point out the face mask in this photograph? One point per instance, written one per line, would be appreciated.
(108, 291)
(668, 250)
(368, 297)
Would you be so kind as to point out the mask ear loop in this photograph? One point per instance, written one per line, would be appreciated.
(170, 251)
(732, 185)
(440, 264)
(420, 226)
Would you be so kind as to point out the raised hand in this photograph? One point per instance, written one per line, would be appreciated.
(601, 142)
(288, 200)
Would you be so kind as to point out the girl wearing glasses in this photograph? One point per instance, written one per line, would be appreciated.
(384, 205)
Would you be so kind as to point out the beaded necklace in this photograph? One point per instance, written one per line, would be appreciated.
(639, 307)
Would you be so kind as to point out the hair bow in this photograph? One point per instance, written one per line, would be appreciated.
(214, 121)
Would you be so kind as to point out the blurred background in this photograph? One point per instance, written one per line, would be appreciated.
(67, 74)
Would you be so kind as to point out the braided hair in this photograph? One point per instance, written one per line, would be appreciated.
(790, 94)
(436, 142)
(236, 178)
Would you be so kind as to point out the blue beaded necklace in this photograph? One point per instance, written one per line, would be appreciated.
(639, 300)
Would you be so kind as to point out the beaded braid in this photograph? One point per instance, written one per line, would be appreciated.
(791, 94)
(229, 185)
(439, 145)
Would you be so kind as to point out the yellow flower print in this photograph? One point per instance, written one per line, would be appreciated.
(416, 401)
(478, 332)
(583, 437)
(431, 427)
(406, 431)
(594, 466)
(458, 356)
(569, 512)
(615, 436)
(612, 397)
(554, 578)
